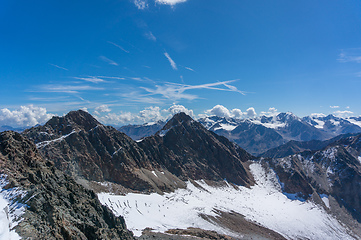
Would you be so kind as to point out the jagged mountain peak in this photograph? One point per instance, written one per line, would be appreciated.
(190, 151)
(287, 116)
(79, 118)
(178, 119)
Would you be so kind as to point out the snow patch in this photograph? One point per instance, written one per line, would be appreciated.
(227, 127)
(334, 122)
(320, 123)
(10, 211)
(273, 124)
(116, 151)
(263, 203)
(94, 128)
(353, 121)
(162, 133)
(330, 153)
(45, 143)
(325, 200)
(359, 158)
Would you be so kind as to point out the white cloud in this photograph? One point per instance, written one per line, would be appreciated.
(116, 119)
(141, 4)
(150, 36)
(120, 47)
(66, 88)
(251, 112)
(57, 66)
(102, 109)
(350, 55)
(317, 115)
(271, 112)
(84, 109)
(219, 111)
(91, 79)
(107, 60)
(222, 111)
(343, 114)
(237, 113)
(334, 106)
(175, 91)
(170, 2)
(149, 114)
(172, 63)
(25, 116)
(174, 109)
(190, 69)
(170, 91)
(117, 78)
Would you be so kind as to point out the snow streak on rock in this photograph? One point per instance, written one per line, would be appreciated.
(10, 211)
(263, 203)
(45, 143)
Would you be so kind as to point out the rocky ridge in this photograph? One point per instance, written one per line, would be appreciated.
(82, 147)
(332, 173)
(56, 207)
(189, 151)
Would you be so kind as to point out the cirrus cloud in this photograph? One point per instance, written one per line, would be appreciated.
(172, 63)
(170, 2)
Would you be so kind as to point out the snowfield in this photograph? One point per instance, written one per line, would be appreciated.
(263, 203)
(10, 213)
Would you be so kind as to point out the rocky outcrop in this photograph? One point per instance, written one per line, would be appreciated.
(334, 171)
(56, 207)
(189, 151)
(82, 147)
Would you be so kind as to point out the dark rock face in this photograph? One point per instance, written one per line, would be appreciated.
(335, 171)
(57, 207)
(188, 150)
(81, 146)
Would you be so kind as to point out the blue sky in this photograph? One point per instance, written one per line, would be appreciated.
(134, 60)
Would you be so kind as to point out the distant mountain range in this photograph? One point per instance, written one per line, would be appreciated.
(137, 132)
(263, 133)
(8, 128)
(184, 181)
